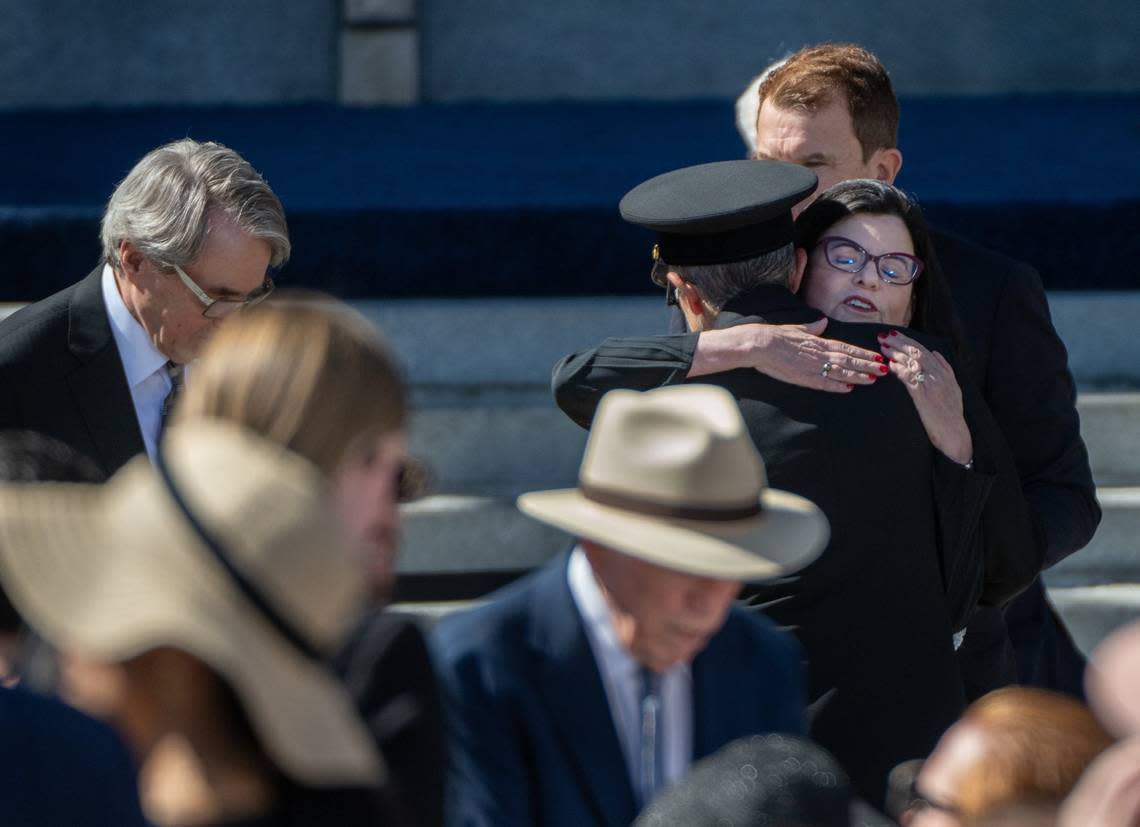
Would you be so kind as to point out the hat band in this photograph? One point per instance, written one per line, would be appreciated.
(245, 586)
(727, 246)
(651, 508)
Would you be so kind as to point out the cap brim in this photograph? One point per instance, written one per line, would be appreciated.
(85, 583)
(787, 535)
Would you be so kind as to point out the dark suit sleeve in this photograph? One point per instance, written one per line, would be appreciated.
(1011, 546)
(988, 545)
(580, 380)
(487, 780)
(386, 666)
(1033, 400)
(959, 497)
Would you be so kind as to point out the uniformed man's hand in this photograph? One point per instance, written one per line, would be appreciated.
(794, 353)
(935, 391)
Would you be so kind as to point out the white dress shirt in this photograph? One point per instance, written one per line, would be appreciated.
(621, 678)
(143, 364)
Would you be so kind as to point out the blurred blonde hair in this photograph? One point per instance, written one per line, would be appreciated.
(303, 370)
(1038, 743)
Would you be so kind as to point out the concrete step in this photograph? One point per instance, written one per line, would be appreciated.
(1110, 425)
(495, 435)
(1113, 556)
(517, 340)
(453, 534)
(491, 438)
(1091, 613)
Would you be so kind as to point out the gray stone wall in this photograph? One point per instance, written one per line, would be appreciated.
(676, 49)
(70, 53)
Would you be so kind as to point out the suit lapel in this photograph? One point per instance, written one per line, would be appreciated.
(716, 719)
(99, 385)
(572, 690)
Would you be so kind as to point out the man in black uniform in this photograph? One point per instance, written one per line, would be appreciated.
(832, 108)
(873, 612)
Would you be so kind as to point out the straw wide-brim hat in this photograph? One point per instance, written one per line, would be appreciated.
(113, 571)
(672, 477)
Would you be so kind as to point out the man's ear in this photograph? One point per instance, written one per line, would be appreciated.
(688, 296)
(886, 163)
(131, 261)
(800, 266)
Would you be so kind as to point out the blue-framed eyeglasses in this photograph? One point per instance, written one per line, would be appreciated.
(893, 268)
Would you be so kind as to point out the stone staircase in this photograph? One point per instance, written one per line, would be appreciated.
(486, 423)
(1098, 588)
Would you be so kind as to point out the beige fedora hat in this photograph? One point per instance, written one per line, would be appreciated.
(671, 476)
(250, 574)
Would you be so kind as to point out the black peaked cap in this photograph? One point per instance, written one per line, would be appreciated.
(720, 212)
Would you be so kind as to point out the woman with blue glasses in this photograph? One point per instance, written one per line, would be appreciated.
(870, 260)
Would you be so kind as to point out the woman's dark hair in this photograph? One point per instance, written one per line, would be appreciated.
(933, 305)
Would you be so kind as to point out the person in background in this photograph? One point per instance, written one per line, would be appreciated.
(1108, 794)
(1016, 747)
(577, 694)
(311, 374)
(1111, 681)
(189, 236)
(194, 603)
(58, 766)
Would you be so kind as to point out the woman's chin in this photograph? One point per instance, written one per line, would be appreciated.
(843, 313)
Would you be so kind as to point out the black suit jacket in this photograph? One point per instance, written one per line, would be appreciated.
(1021, 368)
(872, 612)
(61, 375)
(386, 666)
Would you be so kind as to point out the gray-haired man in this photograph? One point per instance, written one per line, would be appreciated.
(188, 237)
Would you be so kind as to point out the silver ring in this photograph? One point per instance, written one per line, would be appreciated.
(827, 368)
(920, 377)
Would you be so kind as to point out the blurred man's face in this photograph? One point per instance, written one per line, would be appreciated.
(823, 141)
(365, 489)
(662, 617)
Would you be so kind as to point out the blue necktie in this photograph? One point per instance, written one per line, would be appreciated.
(175, 374)
(651, 771)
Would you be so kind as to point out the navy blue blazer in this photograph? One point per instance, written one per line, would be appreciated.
(531, 736)
(59, 767)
